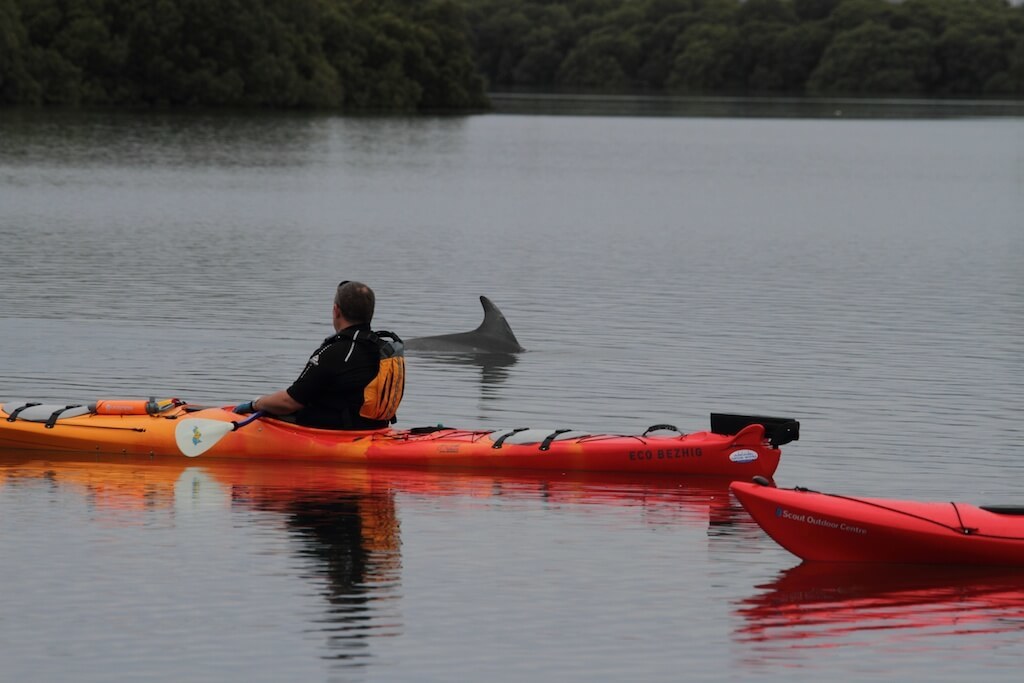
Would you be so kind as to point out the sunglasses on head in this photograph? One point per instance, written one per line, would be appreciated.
(343, 283)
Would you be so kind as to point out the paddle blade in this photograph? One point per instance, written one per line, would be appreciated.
(196, 435)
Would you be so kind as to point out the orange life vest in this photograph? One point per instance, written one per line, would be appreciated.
(384, 392)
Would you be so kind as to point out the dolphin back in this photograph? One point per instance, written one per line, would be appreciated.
(494, 335)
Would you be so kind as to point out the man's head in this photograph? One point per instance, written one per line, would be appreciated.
(355, 302)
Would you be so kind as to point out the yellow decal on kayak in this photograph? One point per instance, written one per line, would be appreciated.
(197, 436)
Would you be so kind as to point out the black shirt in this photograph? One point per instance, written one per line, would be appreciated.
(331, 385)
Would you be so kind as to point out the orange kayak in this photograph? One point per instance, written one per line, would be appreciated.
(736, 446)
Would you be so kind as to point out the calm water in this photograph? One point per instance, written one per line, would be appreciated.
(862, 275)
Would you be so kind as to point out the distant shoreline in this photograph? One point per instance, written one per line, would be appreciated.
(505, 102)
(575, 103)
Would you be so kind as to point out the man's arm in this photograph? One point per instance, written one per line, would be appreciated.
(277, 403)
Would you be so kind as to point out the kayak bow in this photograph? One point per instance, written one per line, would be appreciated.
(832, 528)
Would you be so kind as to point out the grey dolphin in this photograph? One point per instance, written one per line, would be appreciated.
(493, 336)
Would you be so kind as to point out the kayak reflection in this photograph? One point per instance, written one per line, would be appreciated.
(826, 605)
(345, 526)
(139, 482)
(344, 523)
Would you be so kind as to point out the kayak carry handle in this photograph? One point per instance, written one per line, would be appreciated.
(546, 443)
(52, 420)
(655, 428)
(14, 414)
(499, 442)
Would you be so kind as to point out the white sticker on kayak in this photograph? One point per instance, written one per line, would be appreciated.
(746, 455)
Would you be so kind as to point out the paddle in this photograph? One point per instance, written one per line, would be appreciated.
(196, 435)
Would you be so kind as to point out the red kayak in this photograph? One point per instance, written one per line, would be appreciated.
(833, 528)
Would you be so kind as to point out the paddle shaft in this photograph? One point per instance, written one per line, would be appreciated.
(252, 418)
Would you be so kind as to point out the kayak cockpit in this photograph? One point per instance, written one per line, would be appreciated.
(1003, 509)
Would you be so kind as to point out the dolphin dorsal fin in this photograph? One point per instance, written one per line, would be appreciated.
(494, 324)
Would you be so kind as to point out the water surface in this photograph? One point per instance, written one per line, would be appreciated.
(860, 274)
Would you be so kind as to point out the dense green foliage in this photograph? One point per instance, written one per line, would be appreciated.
(409, 55)
(353, 54)
(859, 47)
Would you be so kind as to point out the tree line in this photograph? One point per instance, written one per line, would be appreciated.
(395, 55)
(409, 55)
(817, 47)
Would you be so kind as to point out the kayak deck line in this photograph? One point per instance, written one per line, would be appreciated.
(72, 424)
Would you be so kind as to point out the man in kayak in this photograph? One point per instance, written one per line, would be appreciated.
(354, 380)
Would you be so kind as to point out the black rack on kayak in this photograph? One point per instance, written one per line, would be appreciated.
(778, 430)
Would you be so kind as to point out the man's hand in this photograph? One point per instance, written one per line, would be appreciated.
(244, 408)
